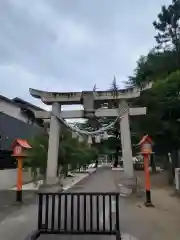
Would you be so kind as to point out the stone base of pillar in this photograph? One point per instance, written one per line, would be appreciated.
(51, 185)
(127, 186)
(52, 180)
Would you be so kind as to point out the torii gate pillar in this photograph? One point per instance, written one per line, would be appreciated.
(126, 141)
(53, 149)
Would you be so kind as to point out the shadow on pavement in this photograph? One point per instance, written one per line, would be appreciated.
(8, 202)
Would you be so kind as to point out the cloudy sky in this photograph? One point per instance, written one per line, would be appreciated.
(70, 45)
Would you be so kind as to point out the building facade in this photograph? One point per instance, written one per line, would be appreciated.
(17, 120)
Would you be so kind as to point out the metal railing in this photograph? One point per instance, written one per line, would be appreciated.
(78, 213)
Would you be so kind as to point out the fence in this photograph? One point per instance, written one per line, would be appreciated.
(78, 213)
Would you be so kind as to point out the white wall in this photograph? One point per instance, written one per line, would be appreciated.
(11, 110)
(8, 178)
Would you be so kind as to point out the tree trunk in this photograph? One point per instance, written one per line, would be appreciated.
(65, 170)
(116, 160)
(153, 163)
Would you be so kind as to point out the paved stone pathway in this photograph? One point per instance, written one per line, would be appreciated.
(21, 222)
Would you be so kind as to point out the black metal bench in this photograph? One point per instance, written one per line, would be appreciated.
(78, 213)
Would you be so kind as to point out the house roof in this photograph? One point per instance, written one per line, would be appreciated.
(146, 138)
(7, 100)
(22, 142)
(18, 102)
(21, 102)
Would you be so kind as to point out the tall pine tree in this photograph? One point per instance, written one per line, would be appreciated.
(168, 27)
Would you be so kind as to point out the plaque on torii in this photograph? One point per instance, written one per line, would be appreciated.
(91, 101)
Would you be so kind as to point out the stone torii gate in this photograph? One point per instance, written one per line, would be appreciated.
(92, 102)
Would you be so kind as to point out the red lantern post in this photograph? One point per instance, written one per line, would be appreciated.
(146, 151)
(20, 148)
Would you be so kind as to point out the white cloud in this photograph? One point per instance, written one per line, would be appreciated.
(70, 45)
(74, 35)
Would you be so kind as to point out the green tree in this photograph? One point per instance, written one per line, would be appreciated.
(114, 88)
(156, 65)
(161, 66)
(168, 27)
(38, 154)
(71, 152)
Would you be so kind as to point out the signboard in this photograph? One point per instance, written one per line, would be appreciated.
(17, 150)
(146, 148)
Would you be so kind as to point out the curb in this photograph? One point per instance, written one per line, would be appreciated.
(40, 182)
(80, 181)
(59, 188)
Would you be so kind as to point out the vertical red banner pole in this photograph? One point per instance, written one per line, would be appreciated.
(19, 180)
(147, 180)
(146, 151)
